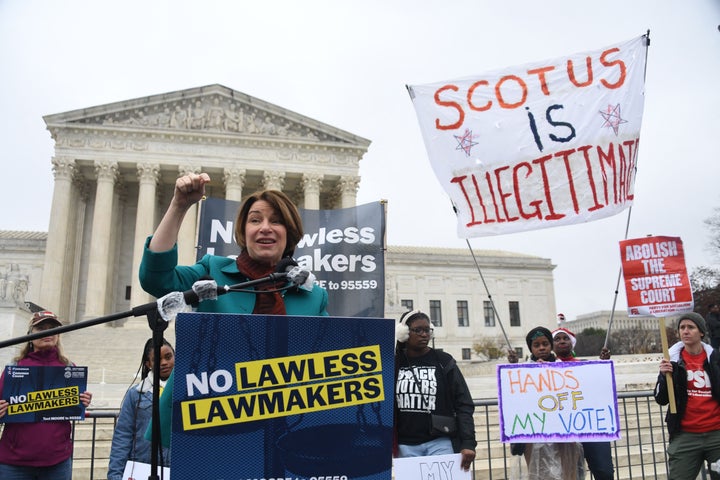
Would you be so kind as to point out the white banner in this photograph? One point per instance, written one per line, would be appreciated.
(539, 145)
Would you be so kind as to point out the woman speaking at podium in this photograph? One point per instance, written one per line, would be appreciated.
(267, 229)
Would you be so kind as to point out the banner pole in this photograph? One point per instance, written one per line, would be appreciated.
(487, 290)
(617, 283)
(627, 224)
(666, 356)
(492, 303)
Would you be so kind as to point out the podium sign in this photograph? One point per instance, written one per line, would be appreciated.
(265, 396)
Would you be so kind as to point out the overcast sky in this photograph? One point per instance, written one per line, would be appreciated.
(346, 63)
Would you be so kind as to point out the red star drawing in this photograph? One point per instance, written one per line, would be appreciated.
(612, 117)
(465, 141)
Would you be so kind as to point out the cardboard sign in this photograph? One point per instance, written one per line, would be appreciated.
(558, 402)
(656, 279)
(141, 471)
(439, 467)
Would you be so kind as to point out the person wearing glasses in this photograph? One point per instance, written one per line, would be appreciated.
(40, 450)
(433, 405)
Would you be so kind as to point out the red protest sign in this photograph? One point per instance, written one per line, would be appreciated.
(656, 279)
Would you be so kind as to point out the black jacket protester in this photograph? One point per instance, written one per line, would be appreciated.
(679, 376)
(454, 399)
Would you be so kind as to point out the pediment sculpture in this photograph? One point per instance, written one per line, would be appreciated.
(214, 114)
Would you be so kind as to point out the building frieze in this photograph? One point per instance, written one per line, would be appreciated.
(81, 145)
(206, 114)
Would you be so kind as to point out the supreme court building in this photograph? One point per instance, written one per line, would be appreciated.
(114, 169)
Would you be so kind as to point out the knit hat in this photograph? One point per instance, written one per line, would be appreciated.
(697, 319)
(564, 330)
(538, 332)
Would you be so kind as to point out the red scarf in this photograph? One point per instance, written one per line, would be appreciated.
(270, 303)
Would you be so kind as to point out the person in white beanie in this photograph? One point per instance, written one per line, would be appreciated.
(433, 405)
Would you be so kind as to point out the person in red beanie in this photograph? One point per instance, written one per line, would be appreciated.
(597, 454)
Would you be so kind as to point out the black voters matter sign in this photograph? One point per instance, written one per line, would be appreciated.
(344, 248)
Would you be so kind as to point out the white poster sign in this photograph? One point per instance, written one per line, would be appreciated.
(445, 467)
(558, 402)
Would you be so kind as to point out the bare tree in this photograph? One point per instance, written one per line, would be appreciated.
(713, 224)
(490, 348)
(705, 280)
(589, 342)
(636, 340)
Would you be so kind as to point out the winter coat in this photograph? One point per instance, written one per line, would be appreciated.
(38, 444)
(128, 442)
(452, 399)
(679, 376)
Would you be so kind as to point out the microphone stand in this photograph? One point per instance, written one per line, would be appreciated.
(158, 325)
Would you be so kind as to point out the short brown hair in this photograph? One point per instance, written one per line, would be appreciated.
(283, 206)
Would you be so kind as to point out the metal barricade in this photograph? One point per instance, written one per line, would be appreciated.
(638, 454)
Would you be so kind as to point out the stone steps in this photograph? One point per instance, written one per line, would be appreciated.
(111, 354)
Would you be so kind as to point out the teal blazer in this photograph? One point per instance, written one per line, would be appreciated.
(160, 274)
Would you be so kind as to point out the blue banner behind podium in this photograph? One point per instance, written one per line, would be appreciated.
(343, 247)
(264, 396)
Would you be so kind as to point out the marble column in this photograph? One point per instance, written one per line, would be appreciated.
(348, 187)
(234, 183)
(273, 180)
(99, 259)
(148, 175)
(56, 250)
(75, 241)
(312, 182)
(115, 290)
(187, 236)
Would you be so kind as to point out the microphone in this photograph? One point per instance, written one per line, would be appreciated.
(301, 278)
(207, 289)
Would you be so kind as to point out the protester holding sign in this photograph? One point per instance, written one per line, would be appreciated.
(434, 409)
(128, 442)
(695, 429)
(267, 228)
(546, 461)
(41, 450)
(597, 454)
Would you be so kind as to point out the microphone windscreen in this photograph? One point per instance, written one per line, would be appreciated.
(285, 265)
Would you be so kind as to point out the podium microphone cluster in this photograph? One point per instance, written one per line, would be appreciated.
(207, 289)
